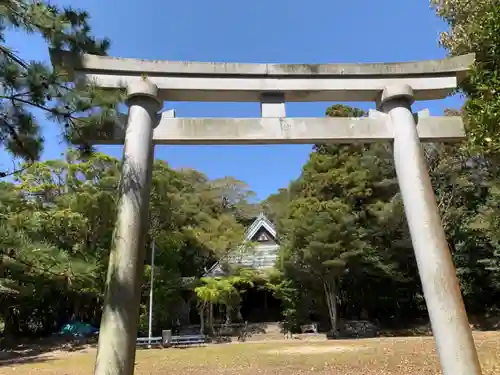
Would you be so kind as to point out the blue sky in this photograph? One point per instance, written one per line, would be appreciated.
(266, 31)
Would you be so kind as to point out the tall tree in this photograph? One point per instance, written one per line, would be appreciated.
(474, 26)
(323, 240)
(326, 226)
(31, 87)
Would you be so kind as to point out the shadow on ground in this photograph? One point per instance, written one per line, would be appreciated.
(35, 351)
(490, 322)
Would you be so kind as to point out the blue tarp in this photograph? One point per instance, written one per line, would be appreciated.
(78, 329)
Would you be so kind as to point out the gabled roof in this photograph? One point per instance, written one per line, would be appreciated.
(260, 222)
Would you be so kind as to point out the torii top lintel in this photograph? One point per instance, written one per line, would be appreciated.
(235, 82)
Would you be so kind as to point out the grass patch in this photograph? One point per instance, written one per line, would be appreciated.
(415, 355)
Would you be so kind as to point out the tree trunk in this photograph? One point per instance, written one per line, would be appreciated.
(331, 301)
(188, 311)
(229, 310)
(11, 328)
(202, 319)
(239, 317)
(211, 318)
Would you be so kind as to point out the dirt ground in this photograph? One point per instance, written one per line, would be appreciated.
(415, 355)
(316, 349)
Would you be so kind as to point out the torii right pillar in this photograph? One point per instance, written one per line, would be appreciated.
(450, 326)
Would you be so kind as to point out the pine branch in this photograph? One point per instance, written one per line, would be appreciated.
(10, 55)
(30, 266)
(32, 84)
(68, 274)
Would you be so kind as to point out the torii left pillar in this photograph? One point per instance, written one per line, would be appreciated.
(118, 331)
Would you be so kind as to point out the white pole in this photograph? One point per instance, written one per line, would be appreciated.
(150, 330)
(450, 326)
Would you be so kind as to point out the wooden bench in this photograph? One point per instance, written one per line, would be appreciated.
(146, 341)
(186, 340)
(312, 328)
(183, 340)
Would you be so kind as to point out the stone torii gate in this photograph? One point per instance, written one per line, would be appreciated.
(394, 87)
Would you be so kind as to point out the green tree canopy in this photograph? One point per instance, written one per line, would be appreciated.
(474, 26)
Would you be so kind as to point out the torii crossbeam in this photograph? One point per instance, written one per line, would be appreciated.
(394, 87)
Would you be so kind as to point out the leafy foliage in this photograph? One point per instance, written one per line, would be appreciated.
(30, 88)
(345, 241)
(56, 223)
(345, 247)
(475, 27)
